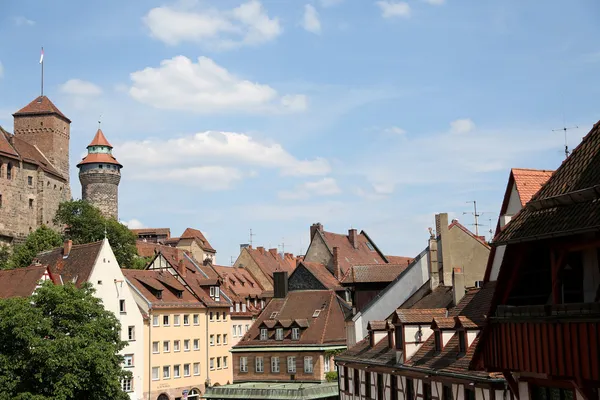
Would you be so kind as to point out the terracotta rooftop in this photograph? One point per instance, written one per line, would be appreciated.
(99, 140)
(198, 236)
(20, 282)
(363, 252)
(325, 327)
(374, 273)
(418, 316)
(529, 182)
(41, 106)
(440, 297)
(5, 147)
(323, 275)
(76, 267)
(152, 231)
(239, 281)
(270, 261)
(99, 158)
(161, 289)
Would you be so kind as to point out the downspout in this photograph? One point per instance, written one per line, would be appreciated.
(150, 353)
(207, 358)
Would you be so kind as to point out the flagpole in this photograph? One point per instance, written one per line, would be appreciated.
(42, 62)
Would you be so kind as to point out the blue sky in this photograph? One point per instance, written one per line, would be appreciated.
(272, 115)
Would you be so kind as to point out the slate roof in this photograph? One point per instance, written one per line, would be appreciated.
(22, 150)
(76, 267)
(323, 275)
(148, 282)
(373, 273)
(529, 182)
(20, 282)
(327, 328)
(191, 233)
(568, 203)
(41, 106)
(99, 140)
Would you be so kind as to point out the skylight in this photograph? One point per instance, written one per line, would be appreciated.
(273, 315)
(316, 313)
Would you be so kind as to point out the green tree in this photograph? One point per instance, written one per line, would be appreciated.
(60, 344)
(85, 224)
(43, 238)
(4, 256)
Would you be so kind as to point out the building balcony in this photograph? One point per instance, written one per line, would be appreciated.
(557, 340)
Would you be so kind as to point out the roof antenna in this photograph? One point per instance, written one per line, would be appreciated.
(99, 121)
(567, 152)
(476, 215)
(251, 236)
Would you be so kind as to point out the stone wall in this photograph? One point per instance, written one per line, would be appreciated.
(100, 187)
(302, 279)
(319, 252)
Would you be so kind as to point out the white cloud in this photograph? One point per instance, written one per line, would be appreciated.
(205, 87)
(212, 160)
(1, 70)
(22, 21)
(310, 21)
(330, 3)
(391, 9)
(247, 24)
(133, 224)
(322, 187)
(394, 130)
(78, 87)
(435, 2)
(461, 126)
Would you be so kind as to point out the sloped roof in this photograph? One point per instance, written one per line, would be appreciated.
(22, 150)
(348, 255)
(152, 231)
(239, 281)
(480, 239)
(374, 273)
(529, 182)
(20, 282)
(419, 316)
(568, 203)
(104, 158)
(198, 236)
(41, 106)
(271, 261)
(99, 140)
(440, 297)
(400, 260)
(323, 275)
(145, 280)
(327, 328)
(5, 147)
(78, 265)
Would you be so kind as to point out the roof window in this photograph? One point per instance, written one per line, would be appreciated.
(370, 246)
(316, 313)
(273, 315)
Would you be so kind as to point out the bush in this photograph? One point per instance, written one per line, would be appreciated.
(331, 376)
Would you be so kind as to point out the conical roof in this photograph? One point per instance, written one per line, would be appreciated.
(41, 106)
(100, 140)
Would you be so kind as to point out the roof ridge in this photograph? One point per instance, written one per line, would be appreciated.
(532, 169)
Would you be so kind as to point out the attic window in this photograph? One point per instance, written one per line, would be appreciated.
(273, 315)
(438, 341)
(370, 246)
(316, 313)
(461, 342)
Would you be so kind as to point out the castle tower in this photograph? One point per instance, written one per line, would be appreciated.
(100, 174)
(43, 125)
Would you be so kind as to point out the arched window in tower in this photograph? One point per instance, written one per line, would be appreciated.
(9, 171)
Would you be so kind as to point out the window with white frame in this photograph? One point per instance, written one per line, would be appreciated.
(239, 331)
(176, 345)
(243, 307)
(225, 338)
(218, 362)
(166, 344)
(155, 349)
(166, 372)
(128, 360)
(291, 364)
(165, 320)
(196, 344)
(218, 316)
(176, 320)
(186, 345)
(308, 365)
(218, 340)
(131, 333)
(224, 316)
(122, 306)
(155, 375)
(264, 334)
(279, 334)
(155, 320)
(196, 368)
(186, 319)
(247, 328)
(295, 333)
(212, 363)
(237, 307)
(243, 364)
(259, 364)
(231, 309)
(177, 371)
(210, 314)
(186, 369)
(234, 330)
(212, 340)
(275, 365)
(225, 362)
(127, 384)
(196, 319)
(327, 359)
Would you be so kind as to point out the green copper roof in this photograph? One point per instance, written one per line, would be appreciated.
(273, 391)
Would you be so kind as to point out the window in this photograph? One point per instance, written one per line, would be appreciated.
(234, 330)
(447, 393)
(128, 360)
(356, 382)
(295, 333)
(264, 334)
(308, 365)
(131, 333)
(186, 345)
(380, 388)
(367, 384)
(0, 201)
(370, 246)
(540, 393)
(211, 316)
(196, 344)
(427, 392)
(399, 332)
(218, 362)
(279, 334)
(122, 306)
(237, 307)
(345, 373)
(259, 366)
(273, 315)
(224, 316)
(212, 364)
(31, 204)
(176, 371)
(196, 368)
(155, 376)
(212, 291)
(196, 319)
(461, 342)
(212, 340)
(326, 363)
(275, 365)
(30, 180)
(127, 384)
(218, 316)
(155, 320)
(165, 320)
(243, 364)
(218, 340)
(176, 345)
(438, 341)
(176, 320)
(155, 347)
(225, 339)
(410, 391)
(166, 372)
(291, 364)
(9, 171)
(247, 328)
(165, 346)
(225, 362)
(316, 313)
(244, 307)
(186, 320)
(186, 369)
(394, 387)
(470, 394)
(239, 331)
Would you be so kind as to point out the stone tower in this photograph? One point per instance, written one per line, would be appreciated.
(100, 174)
(43, 125)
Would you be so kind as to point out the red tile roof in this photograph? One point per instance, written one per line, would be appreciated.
(172, 292)
(99, 140)
(152, 231)
(373, 273)
(400, 260)
(5, 147)
(198, 236)
(76, 268)
(270, 261)
(348, 254)
(529, 182)
(323, 275)
(20, 282)
(41, 106)
(327, 328)
(418, 316)
(239, 281)
(104, 158)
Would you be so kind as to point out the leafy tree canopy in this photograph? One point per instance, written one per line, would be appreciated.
(85, 224)
(60, 344)
(43, 238)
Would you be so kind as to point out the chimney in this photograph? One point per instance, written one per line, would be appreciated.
(434, 272)
(181, 270)
(314, 228)
(273, 252)
(244, 246)
(458, 285)
(444, 245)
(280, 284)
(67, 246)
(337, 271)
(353, 238)
(261, 250)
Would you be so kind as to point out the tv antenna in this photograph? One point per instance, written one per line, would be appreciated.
(476, 215)
(565, 129)
(251, 236)
(282, 246)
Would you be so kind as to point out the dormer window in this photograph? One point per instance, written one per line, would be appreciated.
(316, 313)
(215, 293)
(295, 333)
(438, 341)
(279, 334)
(399, 337)
(462, 342)
(264, 334)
